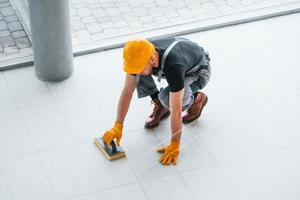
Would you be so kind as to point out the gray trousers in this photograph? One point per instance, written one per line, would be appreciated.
(193, 83)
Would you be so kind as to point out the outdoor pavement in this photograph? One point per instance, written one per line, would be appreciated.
(99, 20)
(245, 146)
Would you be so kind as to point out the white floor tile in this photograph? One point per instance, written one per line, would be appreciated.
(47, 126)
(4, 192)
(132, 192)
(256, 126)
(82, 117)
(67, 172)
(253, 181)
(193, 153)
(69, 88)
(26, 178)
(101, 72)
(26, 88)
(7, 101)
(93, 196)
(285, 166)
(138, 111)
(285, 113)
(221, 139)
(14, 137)
(208, 183)
(168, 187)
(106, 174)
(141, 147)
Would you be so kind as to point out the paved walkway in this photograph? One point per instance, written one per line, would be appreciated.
(13, 39)
(245, 146)
(94, 20)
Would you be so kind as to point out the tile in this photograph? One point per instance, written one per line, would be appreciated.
(285, 166)
(26, 178)
(168, 187)
(133, 192)
(140, 147)
(67, 172)
(4, 192)
(221, 139)
(46, 126)
(69, 88)
(285, 114)
(93, 196)
(253, 181)
(209, 183)
(256, 126)
(135, 119)
(101, 72)
(7, 101)
(34, 92)
(82, 117)
(14, 137)
(105, 174)
(232, 95)
(193, 153)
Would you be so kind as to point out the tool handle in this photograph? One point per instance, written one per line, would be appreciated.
(113, 147)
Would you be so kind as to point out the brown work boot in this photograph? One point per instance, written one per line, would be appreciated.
(159, 112)
(195, 110)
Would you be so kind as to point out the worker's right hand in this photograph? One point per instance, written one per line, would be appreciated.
(115, 132)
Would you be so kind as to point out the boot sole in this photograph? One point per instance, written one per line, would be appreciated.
(189, 121)
(155, 125)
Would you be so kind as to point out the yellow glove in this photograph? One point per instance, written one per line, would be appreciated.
(170, 153)
(115, 132)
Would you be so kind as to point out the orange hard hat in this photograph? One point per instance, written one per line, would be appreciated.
(136, 54)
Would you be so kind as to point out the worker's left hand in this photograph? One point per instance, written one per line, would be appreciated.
(170, 153)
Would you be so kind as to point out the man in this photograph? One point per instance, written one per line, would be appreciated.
(185, 66)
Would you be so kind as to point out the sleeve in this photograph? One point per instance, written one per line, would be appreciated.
(175, 76)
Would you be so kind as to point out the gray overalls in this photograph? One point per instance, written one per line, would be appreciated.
(195, 79)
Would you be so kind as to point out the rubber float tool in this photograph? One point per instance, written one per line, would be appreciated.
(112, 151)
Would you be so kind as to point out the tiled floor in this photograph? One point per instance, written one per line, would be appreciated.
(246, 146)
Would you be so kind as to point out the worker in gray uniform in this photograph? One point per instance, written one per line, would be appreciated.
(186, 67)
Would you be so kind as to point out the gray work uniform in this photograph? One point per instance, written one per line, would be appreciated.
(184, 64)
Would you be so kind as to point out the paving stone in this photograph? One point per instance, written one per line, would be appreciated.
(84, 12)
(93, 27)
(22, 42)
(103, 19)
(83, 35)
(120, 24)
(7, 41)
(3, 25)
(26, 50)
(141, 11)
(99, 12)
(4, 4)
(108, 5)
(146, 19)
(112, 12)
(10, 50)
(89, 19)
(185, 13)
(4, 33)
(135, 3)
(77, 25)
(125, 9)
(18, 34)
(14, 26)
(11, 18)
(107, 25)
(7, 11)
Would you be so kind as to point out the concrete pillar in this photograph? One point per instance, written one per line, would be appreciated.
(51, 39)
